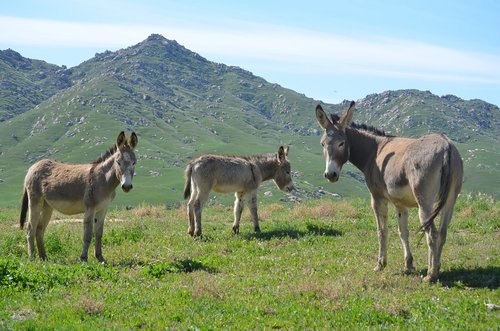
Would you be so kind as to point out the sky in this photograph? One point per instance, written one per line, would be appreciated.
(328, 50)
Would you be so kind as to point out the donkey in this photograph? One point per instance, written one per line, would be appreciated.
(239, 174)
(426, 173)
(76, 188)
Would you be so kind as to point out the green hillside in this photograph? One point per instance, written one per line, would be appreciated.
(181, 105)
(24, 83)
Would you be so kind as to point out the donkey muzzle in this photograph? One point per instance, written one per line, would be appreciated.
(127, 187)
(331, 176)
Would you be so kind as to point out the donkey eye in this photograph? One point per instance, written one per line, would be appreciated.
(341, 144)
(323, 144)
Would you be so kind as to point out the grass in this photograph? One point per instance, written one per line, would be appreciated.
(310, 268)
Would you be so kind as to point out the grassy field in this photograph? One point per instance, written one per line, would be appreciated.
(310, 268)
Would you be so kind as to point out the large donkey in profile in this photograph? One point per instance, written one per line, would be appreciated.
(228, 173)
(426, 173)
(76, 188)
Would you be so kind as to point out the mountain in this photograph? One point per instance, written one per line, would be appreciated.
(24, 83)
(181, 104)
(413, 112)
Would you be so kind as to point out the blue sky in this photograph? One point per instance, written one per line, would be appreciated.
(328, 50)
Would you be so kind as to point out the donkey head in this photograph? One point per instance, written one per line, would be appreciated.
(334, 141)
(283, 176)
(125, 160)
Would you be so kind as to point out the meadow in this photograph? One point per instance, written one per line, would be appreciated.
(309, 268)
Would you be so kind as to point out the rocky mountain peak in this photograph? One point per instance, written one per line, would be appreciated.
(14, 59)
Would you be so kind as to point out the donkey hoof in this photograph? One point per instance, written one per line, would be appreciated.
(409, 270)
(257, 229)
(429, 279)
(197, 233)
(191, 232)
(83, 258)
(101, 259)
(236, 229)
(379, 267)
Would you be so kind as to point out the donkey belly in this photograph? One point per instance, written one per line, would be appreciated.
(403, 196)
(67, 207)
(228, 188)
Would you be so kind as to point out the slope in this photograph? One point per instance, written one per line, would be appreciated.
(181, 105)
(24, 83)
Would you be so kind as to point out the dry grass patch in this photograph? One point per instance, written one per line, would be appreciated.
(347, 209)
(395, 309)
(467, 212)
(204, 285)
(144, 210)
(493, 213)
(325, 209)
(266, 211)
(180, 213)
(91, 307)
(335, 293)
(23, 314)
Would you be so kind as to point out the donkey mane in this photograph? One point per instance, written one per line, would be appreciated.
(259, 157)
(364, 127)
(371, 129)
(104, 156)
(249, 158)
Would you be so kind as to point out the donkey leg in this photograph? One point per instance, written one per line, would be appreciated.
(190, 211)
(402, 214)
(34, 215)
(431, 235)
(98, 228)
(252, 205)
(40, 230)
(238, 209)
(88, 219)
(379, 206)
(432, 271)
(198, 206)
(446, 215)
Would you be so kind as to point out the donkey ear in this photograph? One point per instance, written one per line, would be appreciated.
(346, 118)
(322, 118)
(282, 154)
(120, 141)
(286, 150)
(133, 140)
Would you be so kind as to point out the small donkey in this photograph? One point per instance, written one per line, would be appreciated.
(229, 173)
(76, 188)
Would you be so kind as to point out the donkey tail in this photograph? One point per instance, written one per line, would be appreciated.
(24, 209)
(444, 189)
(187, 184)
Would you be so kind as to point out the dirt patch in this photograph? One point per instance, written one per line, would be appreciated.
(80, 220)
(23, 314)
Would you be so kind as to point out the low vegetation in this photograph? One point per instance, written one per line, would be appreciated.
(309, 268)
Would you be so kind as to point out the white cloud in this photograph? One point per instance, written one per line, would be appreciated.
(285, 47)
(37, 32)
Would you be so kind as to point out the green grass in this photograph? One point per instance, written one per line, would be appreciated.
(310, 268)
